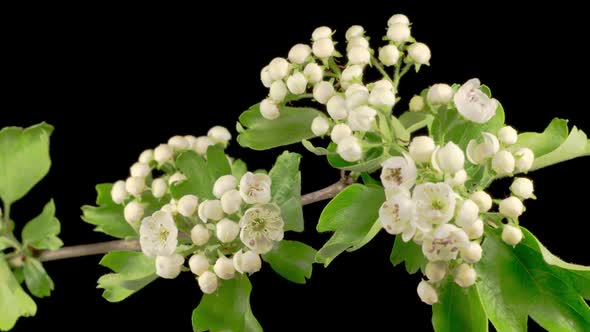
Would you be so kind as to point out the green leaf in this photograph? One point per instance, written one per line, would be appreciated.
(228, 309)
(133, 270)
(315, 150)
(292, 126)
(414, 121)
(400, 131)
(292, 259)
(217, 163)
(14, 302)
(108, 217)
(458, 309)
(408, 252)
(238, 168)
(24, 159)
(352, 215)
(38, 281)
(42, 231)
(286, 190)
(529, 281)
(371, 161)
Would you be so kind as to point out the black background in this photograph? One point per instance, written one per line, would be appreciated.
(114, 81)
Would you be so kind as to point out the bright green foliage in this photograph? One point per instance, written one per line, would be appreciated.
(42, 231)
(408, 252)
(286, 190)
(458, 309)
(414, 121)
(292, 259)
(107, 216)
(38, 281)
(133, 270)
(14, 302)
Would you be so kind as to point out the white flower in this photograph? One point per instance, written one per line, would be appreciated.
(255, 188)
(265, 77)
(178, 143)
(202, 143)
(223, 184)
(511, 207)
(477, 153)
(419, 53)
(381, 84)
(313, 73)
(467, 213)
(354, 31)
(187, 205)
(512, 235)
(146, 156)
(434, 203)
(224, 268)
(279, 68)
(440, 94)
(523, 188)
(471, 253)
(299, 53)
(227, 230)
(398, 18)
(427, 293)
(398, 172)
(465, 275)
(198, 264)
(349, 149)
(357, 41)
(297, 83)
(159, 188)
(450, 158)
(339, 132)
(168, 267)
(118, 192)
(482, 199)
(323, 48)
(323, 91)
(163, 153)
(361, 118)
(508, 135)
(352, 73)
(398, 32)
(473, 103)
(208, 282)
(456, 180)
(269, 109)
(278, 91)
(395, 215)
(169, 207)
(135, 185)
(200, 235)
(176, 178)
(158, 235)
(356, 95)
(435, 271)
(261, 225)
(503, 162)
(319, 125)
(337, 108)
(421, 148)
(382, 97)
(416, 104)
(231, 201)
(140, 170)
(321, 32)
(133, 212)
(475, 230)
(210, 209)
(389, 55)
(359, 55)
(247, 262)
(444, 244)
(524, 159)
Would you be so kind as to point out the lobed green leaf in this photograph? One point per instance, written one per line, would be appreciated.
(286, 190)
(292, 260)
(133, 270)
(41, 232)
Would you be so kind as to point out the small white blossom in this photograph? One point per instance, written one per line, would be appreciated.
(299, 53)
(200, 235)
(356, 95)
(323, 48)
(210, 209)
(465, 275)
(261, 225)
(511, 207)
(358, 41)
(118, 192)
(133, 212)
(382, 97)
(255, 188)
(176, 178)
(279, 68)
(247, 262)
(135, 185)
(339, 132)
(503, 162)
(478, 153)
(427, 293)
(158, 235)
(323, 91)
(444, 244)
(512, 235)
(321, 32)
(398, 18)
(140, 170)
(434, 203)
(471, 253)
(319, 125)
(297, 83)
(440, 94)
(278, 91)
(435, 271)
(416, 104)
(223, 184)
(354, 31)
(475, 230)
(169, 207)
(231, 201)
(265, 77)
(456, 180)
(381, 84)
(483, 200)
(523, 188)
(168, 267)
(352, 73)
(399, 32)
(337, 108)
(448, 159)
(224, 268)
(359, 55)
(163, 153)
(361, 118)
(398, 172)
(313, 73)
(159, 188)
(269, 109)
(395, 215)
(178, 143)
(524, 159)
(198, 264)
(187, 205)
(227, 230)
(473, 103)
(146, 156)
(202, 143)
(349, 149)
(389, 55)
(467, 213)
(208, 282)
(419, 53)
(508, 135)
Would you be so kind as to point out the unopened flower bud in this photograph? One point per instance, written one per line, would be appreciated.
(187, 205)
(421, 148)
(223, 184)
(198, 264)
(507, 135)
(133, 212)
(319, 125)
(269, 109)
(135, 185)
(208, 282)
(398, 32)
(512, 235)
(389, 55)
(231, 201)
(427, 293)
(419, 53)
(323, 91)
(524, 159)
(159, 188)
(200, 235)
(503, 162)
(416, 104)
(118, 192)
(224, 268)
(465, 275)
(523, 188)
(440, 94)
(297, 83)
(435, 271)
(511, 207)
(349, 149)
(299, 53)
(471, 253)
(227, 230)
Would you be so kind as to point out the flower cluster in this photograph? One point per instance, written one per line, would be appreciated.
(223, 234)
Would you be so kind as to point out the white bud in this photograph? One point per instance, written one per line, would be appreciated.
(382, 97)
(440, 94)
(456, 180)
(163, 153)
(247, 262)
(450, 158)
(299, 53)
(337, 108)
(176, 178)
(435, 271)
(357, 89)
(321, 32)
(471, 253)
(169, 207)
(198, 264)
(340, 132)
(208, 282)
(201, 144)
(465, 275)
(362, 118)
(200, 235)
(133, 212)
(503, 162)
(319, 125)
(269, 109)
(140, 170)
(398, 18)
(483, 200)
(313, 73)
(421, 148)
(349, 149)
(297, 83)
(419, 53)
(231, 201)
(323, 91)
(227, 230)
(511, 207)
(265, 77)
(512, 235)
(219, 134)
(187, 205)
(427, 293)
(178, 143)
(159, 188)
(416, 104)
(210, 209)
(223, 184)
(389, 55)
(146, 156)
(354, 31)
(507, 135)
(278, 91)
(135, 185)
(169, 267)
(118, 192)
(385, 84)
(323, 48)
(352, 73)
(224, 268)
(523, 188)
(467, 213)
(524, 159)
(279, 68)
(358, 41)
(475, 230)
(359, 55)
(398, 32)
